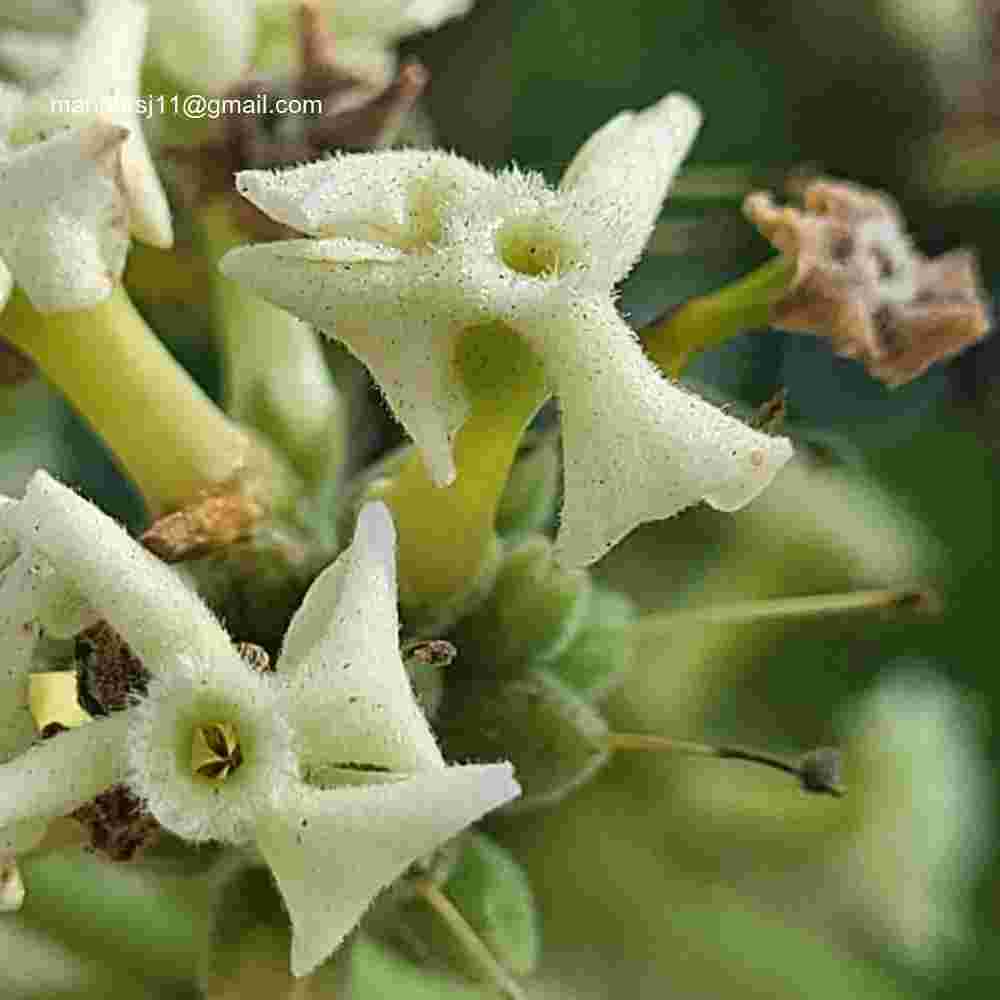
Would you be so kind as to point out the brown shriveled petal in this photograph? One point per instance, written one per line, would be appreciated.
(118, 824)
(860, 283)
(111, 674)
(204, 527)
(355, 116)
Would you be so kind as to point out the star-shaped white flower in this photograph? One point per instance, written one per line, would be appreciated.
(63, 223)
(101, 78)
(412, 249)
(328, 764)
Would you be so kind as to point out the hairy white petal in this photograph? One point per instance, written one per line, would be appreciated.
(396, 316)
(373, 548)
(60, 774)
(349, 698)
(332, 852)
(206, 44)
(621, 175)
(162, 733)
(140, 596)
(395, 197)
(636, 447)
(102, 75)
(64, 235)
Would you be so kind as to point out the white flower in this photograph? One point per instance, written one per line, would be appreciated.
(206, 44)
(101, 77)
(64, 235)
(412, 249)
(328, 765)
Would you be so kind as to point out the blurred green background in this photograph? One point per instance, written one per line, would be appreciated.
(669, 878)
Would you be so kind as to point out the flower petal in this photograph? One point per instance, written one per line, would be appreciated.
(101, 76)
(332, 852)
(636, 447)
(620, 176)
(64, 234)
(398, 315)
(140, 596)
(374, 545)
(400, 198)
(349, 698)
(61, 773)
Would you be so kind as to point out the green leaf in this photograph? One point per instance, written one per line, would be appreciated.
(601, 653)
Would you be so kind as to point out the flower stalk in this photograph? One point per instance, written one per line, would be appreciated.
(448, 544)
(769, 609)
(818, 771)
(705, 321)
(483, 959)
(114, 370)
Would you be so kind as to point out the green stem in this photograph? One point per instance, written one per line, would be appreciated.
(817, 771)
(492, 971)
(447, 536)
(277, 379)
(164, 431)
(708, 320)
(745, 612)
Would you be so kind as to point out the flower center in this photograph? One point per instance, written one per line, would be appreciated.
(533, 247)
(215, 750)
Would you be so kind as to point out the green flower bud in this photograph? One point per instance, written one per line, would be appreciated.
(552, 736)
(532, 614)
(601, 653)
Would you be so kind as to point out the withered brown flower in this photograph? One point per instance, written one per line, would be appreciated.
(860, 283)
